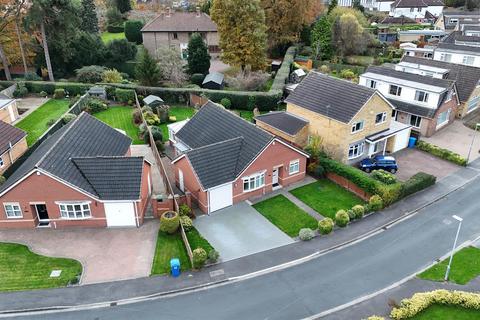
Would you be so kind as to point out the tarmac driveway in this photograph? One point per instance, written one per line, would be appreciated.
(240, 230)
(105, 254)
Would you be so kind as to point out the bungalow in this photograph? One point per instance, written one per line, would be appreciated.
(352, 121)
(225, 159)
(13, 144)
(426, 103)
(417, 9)
(82, 175)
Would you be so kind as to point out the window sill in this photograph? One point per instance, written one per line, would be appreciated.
(14, 218)
(294, 172)
(76, 219)
(251, 190)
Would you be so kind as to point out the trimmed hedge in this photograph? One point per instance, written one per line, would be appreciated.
(115, 28)
(124, 95)
(417, 183)
(442, 153)
(284, 72)
(73, 88)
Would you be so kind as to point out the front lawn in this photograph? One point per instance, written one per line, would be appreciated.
(107, 36)
(326, 197)
(37, 122)
(21, 269)
(168, 247)
(197, 241)
(444, 312)
(181, 113)
(465, 267)
(286, 215)
(120, 117)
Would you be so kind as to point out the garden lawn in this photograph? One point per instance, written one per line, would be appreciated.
(21, 269)
(326, 197)
(465, 267)
(107, 36)
(36, 123)
(286, 215)
(181, 112)
(168, 247)
(442, 312)
(197, 241)
(120, 117)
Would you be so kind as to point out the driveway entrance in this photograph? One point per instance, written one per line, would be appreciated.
(239, 231)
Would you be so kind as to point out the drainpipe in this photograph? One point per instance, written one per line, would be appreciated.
(384, 146)
(10, 146)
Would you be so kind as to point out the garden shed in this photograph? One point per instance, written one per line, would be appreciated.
(214, 81)
(98, 92)
(153, 101)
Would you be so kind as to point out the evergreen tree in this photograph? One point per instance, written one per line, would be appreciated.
(198, 56)
(241, 25)
(321, 38)
(89, 17)
(147, 70)
(123, 5)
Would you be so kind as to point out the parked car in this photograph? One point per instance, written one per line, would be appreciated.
(387, 163)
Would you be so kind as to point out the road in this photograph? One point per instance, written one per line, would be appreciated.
(323, 283)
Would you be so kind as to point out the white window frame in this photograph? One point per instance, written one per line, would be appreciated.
(254, 181)
(354, 126)
(418, 93)
(2, 163)
(473, 104)
(443, 57)
(398, 91)
(360, 147)
(419, 121)
(17, 212)
(65, 211)
(382, 119)
(446, 120)
(372, 84)
(294, 167)
(466, 58)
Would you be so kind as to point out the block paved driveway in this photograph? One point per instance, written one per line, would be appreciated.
(240, 230)
(105, 254)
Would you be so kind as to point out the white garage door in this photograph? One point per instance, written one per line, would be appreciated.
(120, 214)
(401, 140)
(220, 197)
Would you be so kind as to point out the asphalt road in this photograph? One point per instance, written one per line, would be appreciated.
(323, 283)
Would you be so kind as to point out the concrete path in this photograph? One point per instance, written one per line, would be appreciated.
(240, 230)
(303, 206)
(157, 181)
(29, 104)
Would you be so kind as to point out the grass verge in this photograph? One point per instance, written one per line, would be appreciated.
(196, 240)
(169, 246)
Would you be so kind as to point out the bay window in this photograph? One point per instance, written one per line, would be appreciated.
(75, 210)
(356, 150)
(254, 182)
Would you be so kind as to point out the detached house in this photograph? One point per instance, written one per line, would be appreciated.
(354, 122)
(426, 103)
(459, 48)
(13, 142)
(417, 9)
(224, 159)
(82, 175)
(451, 20)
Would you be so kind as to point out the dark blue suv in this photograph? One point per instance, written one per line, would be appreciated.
(386, 163)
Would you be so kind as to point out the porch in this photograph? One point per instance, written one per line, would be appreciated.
(390, 140)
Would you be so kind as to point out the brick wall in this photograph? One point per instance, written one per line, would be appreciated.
(348, 185)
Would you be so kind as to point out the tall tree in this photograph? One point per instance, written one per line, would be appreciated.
(147, 70)
(123, 5)
(241, 24)
(321, 38)
(89, 20)
(20, 44)
(198, 56)
(349, 37)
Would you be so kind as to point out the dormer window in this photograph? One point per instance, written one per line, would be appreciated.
(371, 84)
(421, 96)
(395, 90)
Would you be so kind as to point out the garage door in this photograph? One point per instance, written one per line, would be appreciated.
(221, 197)
(401, 140)
(120, 214)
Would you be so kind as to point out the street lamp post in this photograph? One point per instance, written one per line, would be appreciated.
(473, 140)
(454, 245)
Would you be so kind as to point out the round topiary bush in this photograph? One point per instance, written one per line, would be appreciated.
(351, 214)
(325, 226)
(359, 211)
(169, 222)
(186, 222)
(306, 234)
(199, 258)
(68, 117)
(375, 203)
(213, 255)
(342, 218)
(226, 103)
(59, 94)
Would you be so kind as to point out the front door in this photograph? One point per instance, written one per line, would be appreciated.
(275, 177)
(42, 214)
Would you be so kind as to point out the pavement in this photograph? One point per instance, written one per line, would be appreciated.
(105, 254)
(457, 138)
(331, 270)
(29, 104)
(240, 230)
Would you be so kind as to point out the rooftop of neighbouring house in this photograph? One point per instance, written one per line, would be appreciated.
(417, 3)
(443, 46)
(181, 22)
(283, 121)
(9, 136)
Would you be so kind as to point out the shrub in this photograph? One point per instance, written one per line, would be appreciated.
(43, 94)
(120, 50)
(306, 234)
(342, 218)
(384, 176)
(213, 255)
(184, 210)
(186, 222)
(351, 214)
(68, 117)
(132, 31)
(359, 211)
(112, 76)
(347, 74)
(157, 134)
(151, 118)
(32, 76)
(2, 180)
(90, 74)
(226, 103)
(325, 226)
(20, 91)
(51, 122)
(59, 94)
(169, 222)
(115, 28)
(375, 203)
(417, 182)
(197, 78)
(114, 16)
(124, 95)
(324, 69)
(442, 153)
(248, 80)
(137, 116)
(375, 318)
(160, 146)
(94, 105)
(199, 258)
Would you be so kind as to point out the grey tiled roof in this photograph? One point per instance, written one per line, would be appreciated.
(283, 121)
(113, 178)
(152, 98)
(9, 134)
(458, 47)
(215, 77)
(389, 72)
(181, 22)
(83, 137)
(212, 125)
(398, 20)
(413, 108)
(458, 36)
(466, 77)
(334, 98)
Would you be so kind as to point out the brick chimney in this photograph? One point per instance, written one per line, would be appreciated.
(168, 12)
(198, 12)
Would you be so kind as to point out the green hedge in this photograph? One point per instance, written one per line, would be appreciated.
(442, 153)
(417, 183)
(284, 71)
(125, 95)
(73, 88)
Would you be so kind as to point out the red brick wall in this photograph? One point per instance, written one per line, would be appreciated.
(432, 125)
(145, 197)
(347, 184)
(191, 183)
